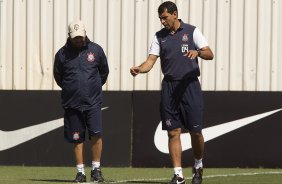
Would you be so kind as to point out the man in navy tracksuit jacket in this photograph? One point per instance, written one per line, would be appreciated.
(81, 69)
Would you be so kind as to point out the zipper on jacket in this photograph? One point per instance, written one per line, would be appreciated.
(80, 78)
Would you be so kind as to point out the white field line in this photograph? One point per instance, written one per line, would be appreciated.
(210, 176)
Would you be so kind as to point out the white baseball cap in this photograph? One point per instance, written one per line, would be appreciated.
(77, 28)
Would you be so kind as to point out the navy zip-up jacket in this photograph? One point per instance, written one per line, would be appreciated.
(81, 75)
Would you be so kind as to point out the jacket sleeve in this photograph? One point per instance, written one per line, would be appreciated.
(103, 67)
(58, 70)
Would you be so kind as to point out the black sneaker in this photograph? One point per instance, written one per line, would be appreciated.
(177, 180)
(197, 176)
(80, 178)
(96, 176)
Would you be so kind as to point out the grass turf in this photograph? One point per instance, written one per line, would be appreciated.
(63, 175)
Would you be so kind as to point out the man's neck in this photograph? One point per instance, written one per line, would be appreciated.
(175, 27)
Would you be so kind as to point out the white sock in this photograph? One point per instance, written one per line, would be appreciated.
(80, 168)
(178, 171)
(95, 165)
(198, 164)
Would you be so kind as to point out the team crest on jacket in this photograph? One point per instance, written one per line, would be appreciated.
(185, 38)
(90, 57)
(75, 136)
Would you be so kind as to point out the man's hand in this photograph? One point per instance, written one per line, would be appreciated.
(134, 71)
(145, 66)
(205, 53)
(192, 54)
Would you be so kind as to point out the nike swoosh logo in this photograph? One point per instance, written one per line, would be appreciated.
(10, 139)
(161, 138)
(177, 182)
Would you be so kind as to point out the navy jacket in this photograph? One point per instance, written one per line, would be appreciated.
(81, 74)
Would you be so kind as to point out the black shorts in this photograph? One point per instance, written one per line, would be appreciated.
(76, 122)
(182, 105)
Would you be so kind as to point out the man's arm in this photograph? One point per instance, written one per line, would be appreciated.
(144, 67)
(201, 44)
(58, 70)
(103, 67)
(205, 53)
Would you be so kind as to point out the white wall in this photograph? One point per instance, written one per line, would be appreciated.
(245, 36)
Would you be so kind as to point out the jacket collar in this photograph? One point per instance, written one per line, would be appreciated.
(69, 46)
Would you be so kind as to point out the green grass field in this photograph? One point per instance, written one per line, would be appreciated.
(63, 175)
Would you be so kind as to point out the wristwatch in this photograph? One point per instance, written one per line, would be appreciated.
(199, 52)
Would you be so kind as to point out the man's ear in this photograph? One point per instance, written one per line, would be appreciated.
(175, 13)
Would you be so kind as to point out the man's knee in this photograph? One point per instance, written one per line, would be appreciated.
(196, 134)
(175, 133)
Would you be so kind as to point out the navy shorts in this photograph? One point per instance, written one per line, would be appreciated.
(182, 105)
(76, 123)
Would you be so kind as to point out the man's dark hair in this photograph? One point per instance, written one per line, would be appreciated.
(169, 6)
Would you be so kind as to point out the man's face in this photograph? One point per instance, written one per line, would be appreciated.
(168, 19)
(77, 41)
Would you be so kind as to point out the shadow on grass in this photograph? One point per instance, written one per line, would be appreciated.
(71, 181)
(53, 180)
(152, 182)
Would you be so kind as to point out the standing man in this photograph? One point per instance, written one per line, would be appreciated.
(179, 45)
(81, 69)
